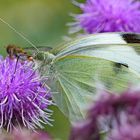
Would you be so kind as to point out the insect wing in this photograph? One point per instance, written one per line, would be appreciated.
(100, 38)
(118, 47)
(77, 78)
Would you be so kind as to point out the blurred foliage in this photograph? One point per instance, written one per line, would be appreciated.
(43, 22)
(61, 127)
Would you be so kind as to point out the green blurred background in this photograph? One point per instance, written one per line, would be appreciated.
(43, 22)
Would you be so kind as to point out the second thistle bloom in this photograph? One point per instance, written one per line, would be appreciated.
(24, 134)
(24, 98)
(107, 16)
(113, 117)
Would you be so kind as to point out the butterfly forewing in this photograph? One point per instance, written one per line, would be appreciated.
(118, 47)
(88, 40)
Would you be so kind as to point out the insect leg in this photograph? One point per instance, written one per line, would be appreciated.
(16, 64)
(15, 69)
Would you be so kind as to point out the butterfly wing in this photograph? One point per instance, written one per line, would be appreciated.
(77, 78)
(100, 38)
(85, 62)
(118, 47)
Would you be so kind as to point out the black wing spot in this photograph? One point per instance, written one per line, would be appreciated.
(118, 67)
(131, 37)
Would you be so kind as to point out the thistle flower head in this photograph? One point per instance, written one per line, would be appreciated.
(113, 116)
(24, 98)
(107, 16)
(125, 132)
(25, 134)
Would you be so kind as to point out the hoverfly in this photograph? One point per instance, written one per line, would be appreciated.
(23, 54)
(17, 52)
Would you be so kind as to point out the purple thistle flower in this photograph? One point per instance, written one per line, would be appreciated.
(112, 117)
(24, 134)
(28, 135)
(107, 16)
(24, 98)
(125, 132)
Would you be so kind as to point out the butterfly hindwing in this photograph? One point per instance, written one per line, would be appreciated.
(77, 78)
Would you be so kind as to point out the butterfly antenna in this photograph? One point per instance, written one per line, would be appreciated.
(18, 33)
